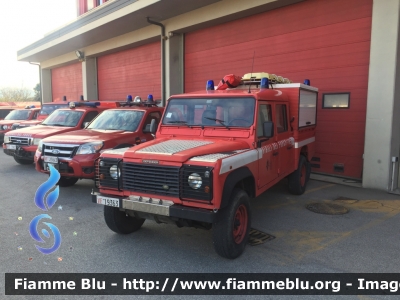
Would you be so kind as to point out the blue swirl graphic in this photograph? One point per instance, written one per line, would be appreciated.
(45, 187)
(35, 235)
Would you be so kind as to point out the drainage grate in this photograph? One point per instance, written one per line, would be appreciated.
(327, 208)
(345, 198)
(257, 237)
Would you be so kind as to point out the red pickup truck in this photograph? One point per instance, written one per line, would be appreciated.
(22, 143)
(45, 111)
(73, 154)
(28, 113)
(213, 151)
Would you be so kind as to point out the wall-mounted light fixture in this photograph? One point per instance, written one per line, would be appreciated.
(80, 55)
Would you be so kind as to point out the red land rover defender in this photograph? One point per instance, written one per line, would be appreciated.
(22, 143)
(45, 111)
(28, 113)
(214, 150)
(73, 154)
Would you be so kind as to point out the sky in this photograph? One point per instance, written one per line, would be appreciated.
(23, 22)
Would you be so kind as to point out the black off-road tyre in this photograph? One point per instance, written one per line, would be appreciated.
(67, 181)
(23, 161)
(299, 178)
(231, 230)
(119, 222)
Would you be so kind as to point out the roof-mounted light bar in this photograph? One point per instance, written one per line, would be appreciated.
(80, 104)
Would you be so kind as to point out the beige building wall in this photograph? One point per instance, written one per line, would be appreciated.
(382, 134)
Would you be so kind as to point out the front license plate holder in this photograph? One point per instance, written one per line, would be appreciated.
(11, 147)
(108, 201)
(50, 159)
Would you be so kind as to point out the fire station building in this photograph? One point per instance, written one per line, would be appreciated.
(347, 48)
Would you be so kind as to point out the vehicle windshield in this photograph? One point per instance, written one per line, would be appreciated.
(18, 115)
(47, 109)
(127, 120)
(218, 112)
(66, 118)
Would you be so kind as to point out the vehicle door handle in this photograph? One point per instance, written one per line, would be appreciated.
(289, 147)
(275, 153)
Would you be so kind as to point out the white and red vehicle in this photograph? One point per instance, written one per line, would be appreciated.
(213, 151)
(23, 143)
(74, 153)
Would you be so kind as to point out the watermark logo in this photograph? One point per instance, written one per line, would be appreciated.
(45, 203)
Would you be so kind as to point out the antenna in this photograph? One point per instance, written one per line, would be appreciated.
(252, 66)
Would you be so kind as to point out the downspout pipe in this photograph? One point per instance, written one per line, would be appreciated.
(163, 38)
(40, 81)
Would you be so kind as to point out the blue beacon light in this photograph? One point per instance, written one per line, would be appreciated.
(210, 85)
(150, 98)
(129, 98)
(264, 83)
(307, 81)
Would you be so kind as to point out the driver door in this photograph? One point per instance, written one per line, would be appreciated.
(268, 162)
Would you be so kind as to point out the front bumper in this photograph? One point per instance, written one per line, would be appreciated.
(80, 166)
(155, 207)
(20, 152)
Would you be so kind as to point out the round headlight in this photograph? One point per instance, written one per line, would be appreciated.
(195, 181)
(4, 127)
(115, 172)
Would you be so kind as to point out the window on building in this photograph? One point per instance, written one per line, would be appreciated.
(336, 100)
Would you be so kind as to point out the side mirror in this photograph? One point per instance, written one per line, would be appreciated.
(84, 125)
(268, 129)
(153, 126)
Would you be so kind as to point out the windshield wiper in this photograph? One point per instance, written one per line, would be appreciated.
(222, 122)
(63, 125)
(179, 122)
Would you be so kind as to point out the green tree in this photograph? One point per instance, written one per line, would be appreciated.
(9, 94)
(37, 91)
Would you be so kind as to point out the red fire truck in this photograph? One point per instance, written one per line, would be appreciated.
(214, 150)
(73, 154)
(22, 143)
(45, 111)
(28, 113)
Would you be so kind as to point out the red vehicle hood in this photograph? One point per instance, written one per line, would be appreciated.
(29, 123)
(180, 150)
(40, 131)
(8, 122)
(87, 135)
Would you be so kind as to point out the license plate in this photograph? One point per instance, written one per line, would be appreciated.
(11, 147)
(50, 159)
(108, 201)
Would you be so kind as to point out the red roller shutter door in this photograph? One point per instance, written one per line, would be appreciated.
(67, 81)
(135, 71)
(325, 41)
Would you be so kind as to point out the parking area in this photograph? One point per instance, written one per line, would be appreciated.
(366, 239)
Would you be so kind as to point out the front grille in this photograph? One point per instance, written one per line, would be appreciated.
(102, 169)
(61, 151)
(153, 179)
(18, 140)
(200, 194)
